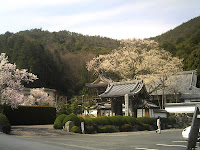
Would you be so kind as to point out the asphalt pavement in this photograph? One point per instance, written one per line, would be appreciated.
(141, 140)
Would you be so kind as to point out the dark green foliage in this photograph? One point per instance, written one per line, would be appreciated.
(103, 120)
(89, 129)
(58, 123)
(4, 124)
(147, 120)
(106, 129)
(30, 115)
(58, 58)
(126, 128)
(81, 119)
(75, 129)
(184, 42)
(117, 120)
(131, 120)
(172, 120)
(73, 118)
(88, 121)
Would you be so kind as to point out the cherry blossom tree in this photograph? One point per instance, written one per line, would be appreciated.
(39, 97)
(11, 80)
(136, 58)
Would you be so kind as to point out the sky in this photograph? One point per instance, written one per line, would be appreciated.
(117, 19)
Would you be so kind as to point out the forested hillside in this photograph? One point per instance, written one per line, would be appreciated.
(184, 41)
(58, 58)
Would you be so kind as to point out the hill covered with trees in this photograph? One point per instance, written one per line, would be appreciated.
(57, 58)
(184, 42)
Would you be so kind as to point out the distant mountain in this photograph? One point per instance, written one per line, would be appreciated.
(184, 42)
(58, 58)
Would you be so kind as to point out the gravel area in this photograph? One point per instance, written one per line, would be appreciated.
(37, 130)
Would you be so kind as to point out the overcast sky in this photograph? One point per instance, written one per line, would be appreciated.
(118, 19)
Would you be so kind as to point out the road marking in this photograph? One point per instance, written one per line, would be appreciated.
(179, 141)
(171, 145)
(82, 147)
(146, 148)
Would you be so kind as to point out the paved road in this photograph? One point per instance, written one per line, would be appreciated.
(143, 140)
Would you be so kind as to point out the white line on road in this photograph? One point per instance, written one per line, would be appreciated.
(146, 148)
(77, 146)
(171, 145)
(179, 141)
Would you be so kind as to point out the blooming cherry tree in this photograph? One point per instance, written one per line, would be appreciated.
(142, 59)
(11, 80)
(137, 58)
(39, 97)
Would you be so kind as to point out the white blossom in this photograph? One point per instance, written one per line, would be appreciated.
(11, 82)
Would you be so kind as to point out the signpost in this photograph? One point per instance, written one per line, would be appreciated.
(126, 105)
(193, 136)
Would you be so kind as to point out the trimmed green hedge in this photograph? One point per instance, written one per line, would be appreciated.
(30, 115)
(75, 129)
(73, 118)
(148, 121)
(58, 123)
(115, 123)
(4, 124)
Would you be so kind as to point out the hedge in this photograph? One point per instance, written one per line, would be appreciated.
(4, 124)
(116, 123)
(58, 123)
(75, 129)
(72, 117)
(30, 115)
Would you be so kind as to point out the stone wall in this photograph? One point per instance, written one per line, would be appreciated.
(182, 119)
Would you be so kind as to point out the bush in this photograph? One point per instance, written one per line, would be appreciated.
(103, 120)
(75, 129)
(117, 120)
(106, 129)
(4, 124)
(131, 120)
(58, 122)
(147, 120)
(91, 121)
(88, 121)
(89, 129)
(30, 115)
(72, 118)
(126, 128)
(172, 120)
(81, 119)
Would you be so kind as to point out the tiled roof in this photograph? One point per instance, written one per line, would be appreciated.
(118, 89)
(101, 81)
(183, 83)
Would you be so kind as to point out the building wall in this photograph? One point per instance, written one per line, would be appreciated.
(152, 114)
(180, 109)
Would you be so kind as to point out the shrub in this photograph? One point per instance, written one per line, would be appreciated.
(89, 129)
(131, 120)
(88, 121)
(172, 120)
(147, 120)
(117, 120)
(75, 129)
(106, 129)
(4, 124)
(58, 122)
(126, 128)
(81, 119)
(91, 121)
(30, 115)
(103, 120)
(73, 118)
(147, 127)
